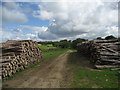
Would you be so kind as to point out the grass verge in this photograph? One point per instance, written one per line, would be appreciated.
(84, 76)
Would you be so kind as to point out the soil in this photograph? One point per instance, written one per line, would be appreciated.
(49, 74)
(46, 75)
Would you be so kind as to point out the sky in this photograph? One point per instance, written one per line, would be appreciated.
(44, 21)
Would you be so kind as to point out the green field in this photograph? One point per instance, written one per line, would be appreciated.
(50, 52)
(47, 47)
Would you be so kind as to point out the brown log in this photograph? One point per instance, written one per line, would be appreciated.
(110, 49)
(112, 60)
(108, 54)
(18, 55)
(113, 69)
(106, 66)
(101, 51)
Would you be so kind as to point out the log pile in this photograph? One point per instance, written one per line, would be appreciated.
(17, 55)
(101, 52)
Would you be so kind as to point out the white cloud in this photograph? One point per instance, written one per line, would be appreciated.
(34, 29)
(31, 36)
(11, 5)
(24, 32)
(17, 30)
(78, 19)
(67, 20)
(112, 31)
(5, 35)
(43, 15)
(33, 32)
(11, 12)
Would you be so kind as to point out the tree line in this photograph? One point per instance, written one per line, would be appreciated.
(72, 43)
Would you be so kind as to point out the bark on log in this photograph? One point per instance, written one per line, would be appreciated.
(101, 51)
(17, 55)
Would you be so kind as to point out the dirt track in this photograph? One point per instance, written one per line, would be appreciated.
(48, 75)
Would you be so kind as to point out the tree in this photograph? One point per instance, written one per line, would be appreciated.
(99, 38)
(64, 44)
(55, 44)
(75, 42)
(110, 37)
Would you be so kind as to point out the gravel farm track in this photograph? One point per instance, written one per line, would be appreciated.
(49, 74)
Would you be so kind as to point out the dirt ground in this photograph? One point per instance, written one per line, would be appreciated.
(50, 74)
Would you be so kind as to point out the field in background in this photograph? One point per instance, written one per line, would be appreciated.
(47, 47)
(50, 52)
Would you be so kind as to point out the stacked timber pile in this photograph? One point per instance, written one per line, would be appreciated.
(17, 55)
(101, 52)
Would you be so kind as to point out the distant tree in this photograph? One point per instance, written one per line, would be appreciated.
(119, 38)
(69, 41)
(65, 40)
(75, 42)
(99, 38)
(64, 44)
(55, 44)
(110, 37)
(45, 42)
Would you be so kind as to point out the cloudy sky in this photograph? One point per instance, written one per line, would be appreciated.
(58, 20)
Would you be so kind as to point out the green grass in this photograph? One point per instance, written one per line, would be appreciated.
(53, 54)
(50, 52)
(84, 77)
(46, 48)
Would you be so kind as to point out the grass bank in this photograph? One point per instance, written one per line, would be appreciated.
(84, 76)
